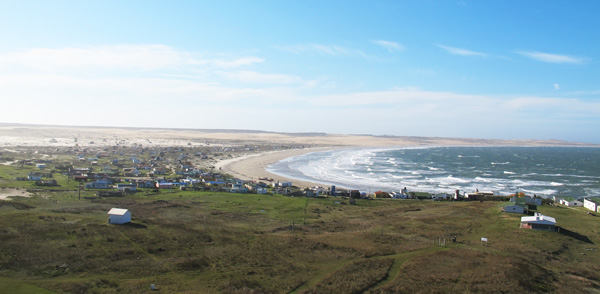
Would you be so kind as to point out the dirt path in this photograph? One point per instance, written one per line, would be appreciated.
(394, 271)
(10, 192)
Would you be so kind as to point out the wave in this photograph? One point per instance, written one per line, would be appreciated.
(435, 169)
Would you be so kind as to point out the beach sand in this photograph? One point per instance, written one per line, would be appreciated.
(252, 167)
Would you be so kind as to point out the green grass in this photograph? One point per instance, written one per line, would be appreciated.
(210, 242)
(15, 286)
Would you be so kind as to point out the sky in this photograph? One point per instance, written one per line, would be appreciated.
(459, 68)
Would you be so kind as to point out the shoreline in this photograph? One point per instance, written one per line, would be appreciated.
(254, 166)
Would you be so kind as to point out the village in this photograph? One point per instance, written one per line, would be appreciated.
(185, 215)
(120, 170)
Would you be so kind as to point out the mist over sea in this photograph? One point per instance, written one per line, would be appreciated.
(543, 171)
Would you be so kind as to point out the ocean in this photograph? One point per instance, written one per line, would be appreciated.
(541, 171)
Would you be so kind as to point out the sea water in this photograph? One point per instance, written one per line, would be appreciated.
(543, 171)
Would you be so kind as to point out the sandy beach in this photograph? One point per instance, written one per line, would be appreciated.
(252, 167)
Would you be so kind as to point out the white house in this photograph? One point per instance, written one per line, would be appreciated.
(571, 202)
(592, 204)
(538, 222)
(281, 185)
(119, 216)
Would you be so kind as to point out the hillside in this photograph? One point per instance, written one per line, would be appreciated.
(210, 242)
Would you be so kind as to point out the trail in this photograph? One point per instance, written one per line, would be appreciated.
(393, 272)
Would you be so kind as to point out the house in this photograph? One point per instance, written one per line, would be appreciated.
(40, 166)
(592, 203)
(238, 188)
(261, 191)
(34, 177)
(126, 187)
(145, 184)
(442, 196)
(531, 202)
(381, 194)
(282, 184)
(46, 183)
(516, 208)
(119, 216)
(570, 202)
(538, 222)
(158, 171)
(164, 185)
(97, 185)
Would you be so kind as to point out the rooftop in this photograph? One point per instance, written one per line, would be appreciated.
(117, 211)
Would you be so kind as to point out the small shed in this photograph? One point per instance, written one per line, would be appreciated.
(119, 216)
(516, 208)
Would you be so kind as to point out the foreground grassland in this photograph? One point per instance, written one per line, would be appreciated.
(203, 242)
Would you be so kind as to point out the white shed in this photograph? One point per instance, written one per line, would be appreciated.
(516, 208)
(119, 216)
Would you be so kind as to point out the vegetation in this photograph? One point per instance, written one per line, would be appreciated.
(58, 241)
(191, 242)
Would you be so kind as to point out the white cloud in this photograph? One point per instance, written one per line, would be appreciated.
(389, 45)
(462, 52)
(551, 58)
(183, 90)
(116, 57)
(245, 61)
(556, 87)
(189, 102)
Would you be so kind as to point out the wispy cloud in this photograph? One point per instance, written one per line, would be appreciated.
(551, 58)
(461, 51)
(389, 45)
(121, 57)
(260, 78)
(556, 87)
(332, 50)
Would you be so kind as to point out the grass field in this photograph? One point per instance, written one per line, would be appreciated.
(203, 242)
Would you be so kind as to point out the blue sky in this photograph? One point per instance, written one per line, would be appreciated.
(459, 68)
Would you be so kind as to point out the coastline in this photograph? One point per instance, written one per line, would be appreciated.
(254, 166)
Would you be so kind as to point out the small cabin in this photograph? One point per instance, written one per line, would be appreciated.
(516, 208)
(119, 216)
